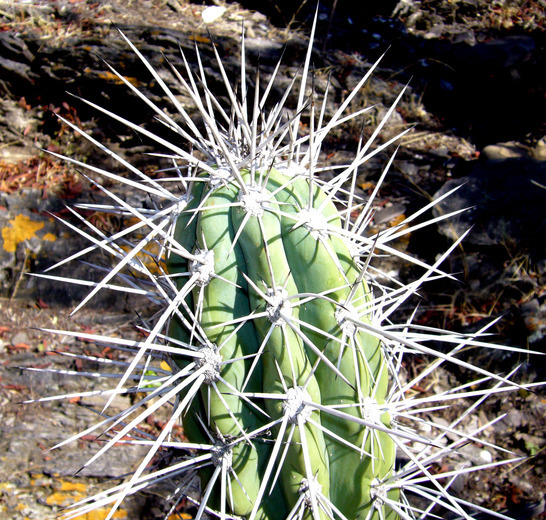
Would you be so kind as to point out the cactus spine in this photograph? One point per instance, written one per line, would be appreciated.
(283, 364)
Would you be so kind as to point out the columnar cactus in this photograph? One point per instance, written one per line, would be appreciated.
(282, 311)
(283, 365)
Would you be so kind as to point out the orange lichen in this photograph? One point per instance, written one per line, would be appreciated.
(72, 486)
(146, 257)
(109, 76)
(21, 228)
(63, 499)
(102, 513)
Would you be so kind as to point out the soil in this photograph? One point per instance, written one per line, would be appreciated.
(459, 103)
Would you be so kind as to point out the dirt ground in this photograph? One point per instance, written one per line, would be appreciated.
(36, 483)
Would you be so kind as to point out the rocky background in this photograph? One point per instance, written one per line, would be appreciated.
(476, 106)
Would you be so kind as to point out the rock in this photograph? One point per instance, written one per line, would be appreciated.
(15, 63)
(388, 213)
(534, 317)
(501, 53)
(539, 152)
(505, 203)
(267, 50)
(110, 466)
(504, 151)
(32, 240)
(513, 419)
(20, 337)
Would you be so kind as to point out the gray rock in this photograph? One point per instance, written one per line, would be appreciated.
(504, 197)
(112, 465)
(513, 419)
(20, 337)
(32, 240)
(387, 214)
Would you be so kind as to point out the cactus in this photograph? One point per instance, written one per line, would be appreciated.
(283, 364)
(280, 300)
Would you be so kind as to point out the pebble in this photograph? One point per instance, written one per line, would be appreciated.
(513, 418)
(507, 150)
(388, 213)
(486, 456)
(409, 168)
(20, 337)
(539, 152)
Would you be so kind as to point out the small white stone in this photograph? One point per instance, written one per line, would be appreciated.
(212, 13)
(486, 456)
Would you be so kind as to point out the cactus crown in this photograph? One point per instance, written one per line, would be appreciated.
(284, 366)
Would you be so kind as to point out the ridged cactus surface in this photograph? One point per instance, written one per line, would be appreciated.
(273, 338)
(281, 308)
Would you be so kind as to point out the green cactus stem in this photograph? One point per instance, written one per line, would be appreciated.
(276, 289)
